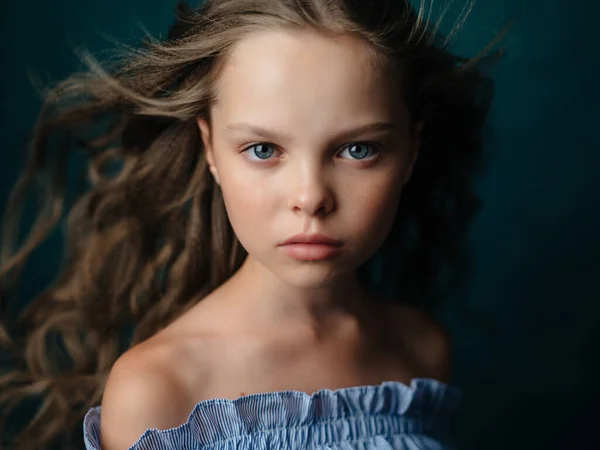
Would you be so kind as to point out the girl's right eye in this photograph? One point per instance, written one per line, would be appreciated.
(260, 152)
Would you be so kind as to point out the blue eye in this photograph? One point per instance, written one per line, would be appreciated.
(360, 150)
(260, 151)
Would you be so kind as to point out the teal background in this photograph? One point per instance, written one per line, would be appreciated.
(527, 326)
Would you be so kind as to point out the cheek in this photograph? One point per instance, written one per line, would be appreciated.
(375, 209)
(249, 206)
(380, 198)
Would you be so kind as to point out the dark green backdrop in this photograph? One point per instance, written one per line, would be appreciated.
(527, 326)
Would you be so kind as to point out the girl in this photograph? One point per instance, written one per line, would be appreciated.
(251, 177)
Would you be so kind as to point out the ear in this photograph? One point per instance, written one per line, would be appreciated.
(208, 148)
(415, 147)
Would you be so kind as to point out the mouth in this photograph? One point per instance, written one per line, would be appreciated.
(316, 247)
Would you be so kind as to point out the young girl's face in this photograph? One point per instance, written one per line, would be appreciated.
(308, 137)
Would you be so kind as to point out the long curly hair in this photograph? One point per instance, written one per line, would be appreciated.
(149, 236)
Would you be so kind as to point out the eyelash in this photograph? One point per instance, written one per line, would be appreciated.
(374, 146)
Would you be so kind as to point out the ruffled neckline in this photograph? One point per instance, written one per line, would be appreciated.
(219, 419)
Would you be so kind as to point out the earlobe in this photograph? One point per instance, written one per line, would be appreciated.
(215, 175)
(207, 142)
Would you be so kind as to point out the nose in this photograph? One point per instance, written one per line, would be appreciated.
(312, 195)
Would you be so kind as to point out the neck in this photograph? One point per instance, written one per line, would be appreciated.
(266, 301)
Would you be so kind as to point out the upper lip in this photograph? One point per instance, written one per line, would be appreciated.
(311, 239)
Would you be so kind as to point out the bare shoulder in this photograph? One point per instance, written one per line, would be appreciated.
(144, 390)
(426, 340)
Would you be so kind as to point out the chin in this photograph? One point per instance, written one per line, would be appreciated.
(306, 275)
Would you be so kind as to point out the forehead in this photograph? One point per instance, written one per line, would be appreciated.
(303, 77)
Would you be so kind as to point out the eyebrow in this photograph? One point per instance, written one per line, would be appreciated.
(377, 127)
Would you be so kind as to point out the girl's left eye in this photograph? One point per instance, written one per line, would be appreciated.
(360, 151)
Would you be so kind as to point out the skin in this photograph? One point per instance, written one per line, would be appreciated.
(279, 323)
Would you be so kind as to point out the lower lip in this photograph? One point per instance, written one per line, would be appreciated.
(311, 252)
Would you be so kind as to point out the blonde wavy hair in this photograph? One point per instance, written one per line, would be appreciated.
(150, 237)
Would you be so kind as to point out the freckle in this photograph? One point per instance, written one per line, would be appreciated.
(242, 394)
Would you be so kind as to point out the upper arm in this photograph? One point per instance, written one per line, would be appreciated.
(139, 395)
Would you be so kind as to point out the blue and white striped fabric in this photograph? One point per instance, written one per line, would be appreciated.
(389, 416)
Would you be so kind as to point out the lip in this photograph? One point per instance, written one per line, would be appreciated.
(311, 247)
(312, 239)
